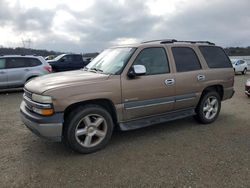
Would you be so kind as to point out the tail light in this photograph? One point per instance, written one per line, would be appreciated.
(48, 68)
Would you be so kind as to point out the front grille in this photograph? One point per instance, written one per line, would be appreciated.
(27, 93)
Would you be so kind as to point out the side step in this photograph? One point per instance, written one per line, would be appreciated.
(148, 121)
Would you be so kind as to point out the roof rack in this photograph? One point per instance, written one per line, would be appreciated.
(195, 42)
(167, 41)
(162, 40)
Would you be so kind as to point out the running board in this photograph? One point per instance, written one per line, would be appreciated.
(148, 121)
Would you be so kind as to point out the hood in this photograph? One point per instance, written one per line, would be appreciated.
(63, 79)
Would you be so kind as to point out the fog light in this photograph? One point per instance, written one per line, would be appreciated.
(44, 112)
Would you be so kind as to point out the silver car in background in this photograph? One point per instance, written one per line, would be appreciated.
(16, 70)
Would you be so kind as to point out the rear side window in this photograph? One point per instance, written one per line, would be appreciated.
(34, 62)
(2, 63)
(185, 59)
(17, 63)
(154, 59)
(215, 57)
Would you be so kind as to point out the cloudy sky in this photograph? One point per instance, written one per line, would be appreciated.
(92, 25)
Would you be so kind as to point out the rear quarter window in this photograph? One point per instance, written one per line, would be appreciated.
(33, 62)
(215, 57)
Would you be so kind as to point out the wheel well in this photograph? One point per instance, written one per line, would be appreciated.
(217, 88)
(31, 77)
(105, 103)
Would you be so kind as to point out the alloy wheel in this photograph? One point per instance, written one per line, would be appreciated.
(91, 130)
(210, 107)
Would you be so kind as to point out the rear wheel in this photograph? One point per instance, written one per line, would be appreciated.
(244, 71)
(88, 129)
(208, 108)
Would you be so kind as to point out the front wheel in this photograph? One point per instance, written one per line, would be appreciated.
(88, 129)
(244, 71)
(208, 108)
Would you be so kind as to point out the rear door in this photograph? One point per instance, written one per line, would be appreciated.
(189, 77)
(150, 94)
(17, 68)
(3, 74)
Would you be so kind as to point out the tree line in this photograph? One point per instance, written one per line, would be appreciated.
(231, 51)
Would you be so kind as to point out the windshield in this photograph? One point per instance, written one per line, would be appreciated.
(234, 61)
(59, 57)
(111, 61)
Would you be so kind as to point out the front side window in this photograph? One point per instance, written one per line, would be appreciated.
(111, 61)
(215, 57)
(154, 59)
(17, 63)
(185, 59)
(2, 63)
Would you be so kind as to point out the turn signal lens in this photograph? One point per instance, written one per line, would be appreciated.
(44, 112)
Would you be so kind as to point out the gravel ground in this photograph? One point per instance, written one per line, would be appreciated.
(176, 154)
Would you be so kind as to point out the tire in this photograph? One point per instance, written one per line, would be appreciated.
(244, 71)
(88, 129)
(207, 113)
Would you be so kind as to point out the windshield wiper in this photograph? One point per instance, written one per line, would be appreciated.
(96, 70)
(85, 68)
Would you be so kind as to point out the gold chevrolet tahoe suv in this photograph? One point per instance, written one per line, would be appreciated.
(129, 87)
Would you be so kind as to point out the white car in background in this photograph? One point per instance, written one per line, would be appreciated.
(239, 65)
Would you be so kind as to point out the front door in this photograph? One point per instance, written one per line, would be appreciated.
(152, 93)
(3, 74)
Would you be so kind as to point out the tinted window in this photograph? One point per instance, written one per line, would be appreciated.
(68, 58)
(185, 59)
(154, 59)
(34, 62)
(2, 63)
(17, 62)
(77, 58)
(215, 57)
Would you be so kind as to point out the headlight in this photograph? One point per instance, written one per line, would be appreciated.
(41, 98)
(248, 83)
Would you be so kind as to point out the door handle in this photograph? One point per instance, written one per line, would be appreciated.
(169, 82)
(201, 77)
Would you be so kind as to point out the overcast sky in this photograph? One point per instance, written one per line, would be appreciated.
(92, 25)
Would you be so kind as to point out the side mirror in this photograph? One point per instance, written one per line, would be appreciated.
(137, 70)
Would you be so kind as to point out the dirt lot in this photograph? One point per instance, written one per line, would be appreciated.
(176, 154)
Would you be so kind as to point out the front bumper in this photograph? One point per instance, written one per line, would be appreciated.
(247, 90)
(228, 93)
(47, 127)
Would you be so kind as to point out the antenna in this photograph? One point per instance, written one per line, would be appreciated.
(26, 43)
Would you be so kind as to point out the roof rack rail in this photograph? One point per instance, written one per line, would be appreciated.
(195, 42)
(161, 40)
(167, 41)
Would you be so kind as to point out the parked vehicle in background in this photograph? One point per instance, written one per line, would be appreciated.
(129, 87)
(239, 65)
(67, 62)
(16, 70)
(50, 57)
(247, 88)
